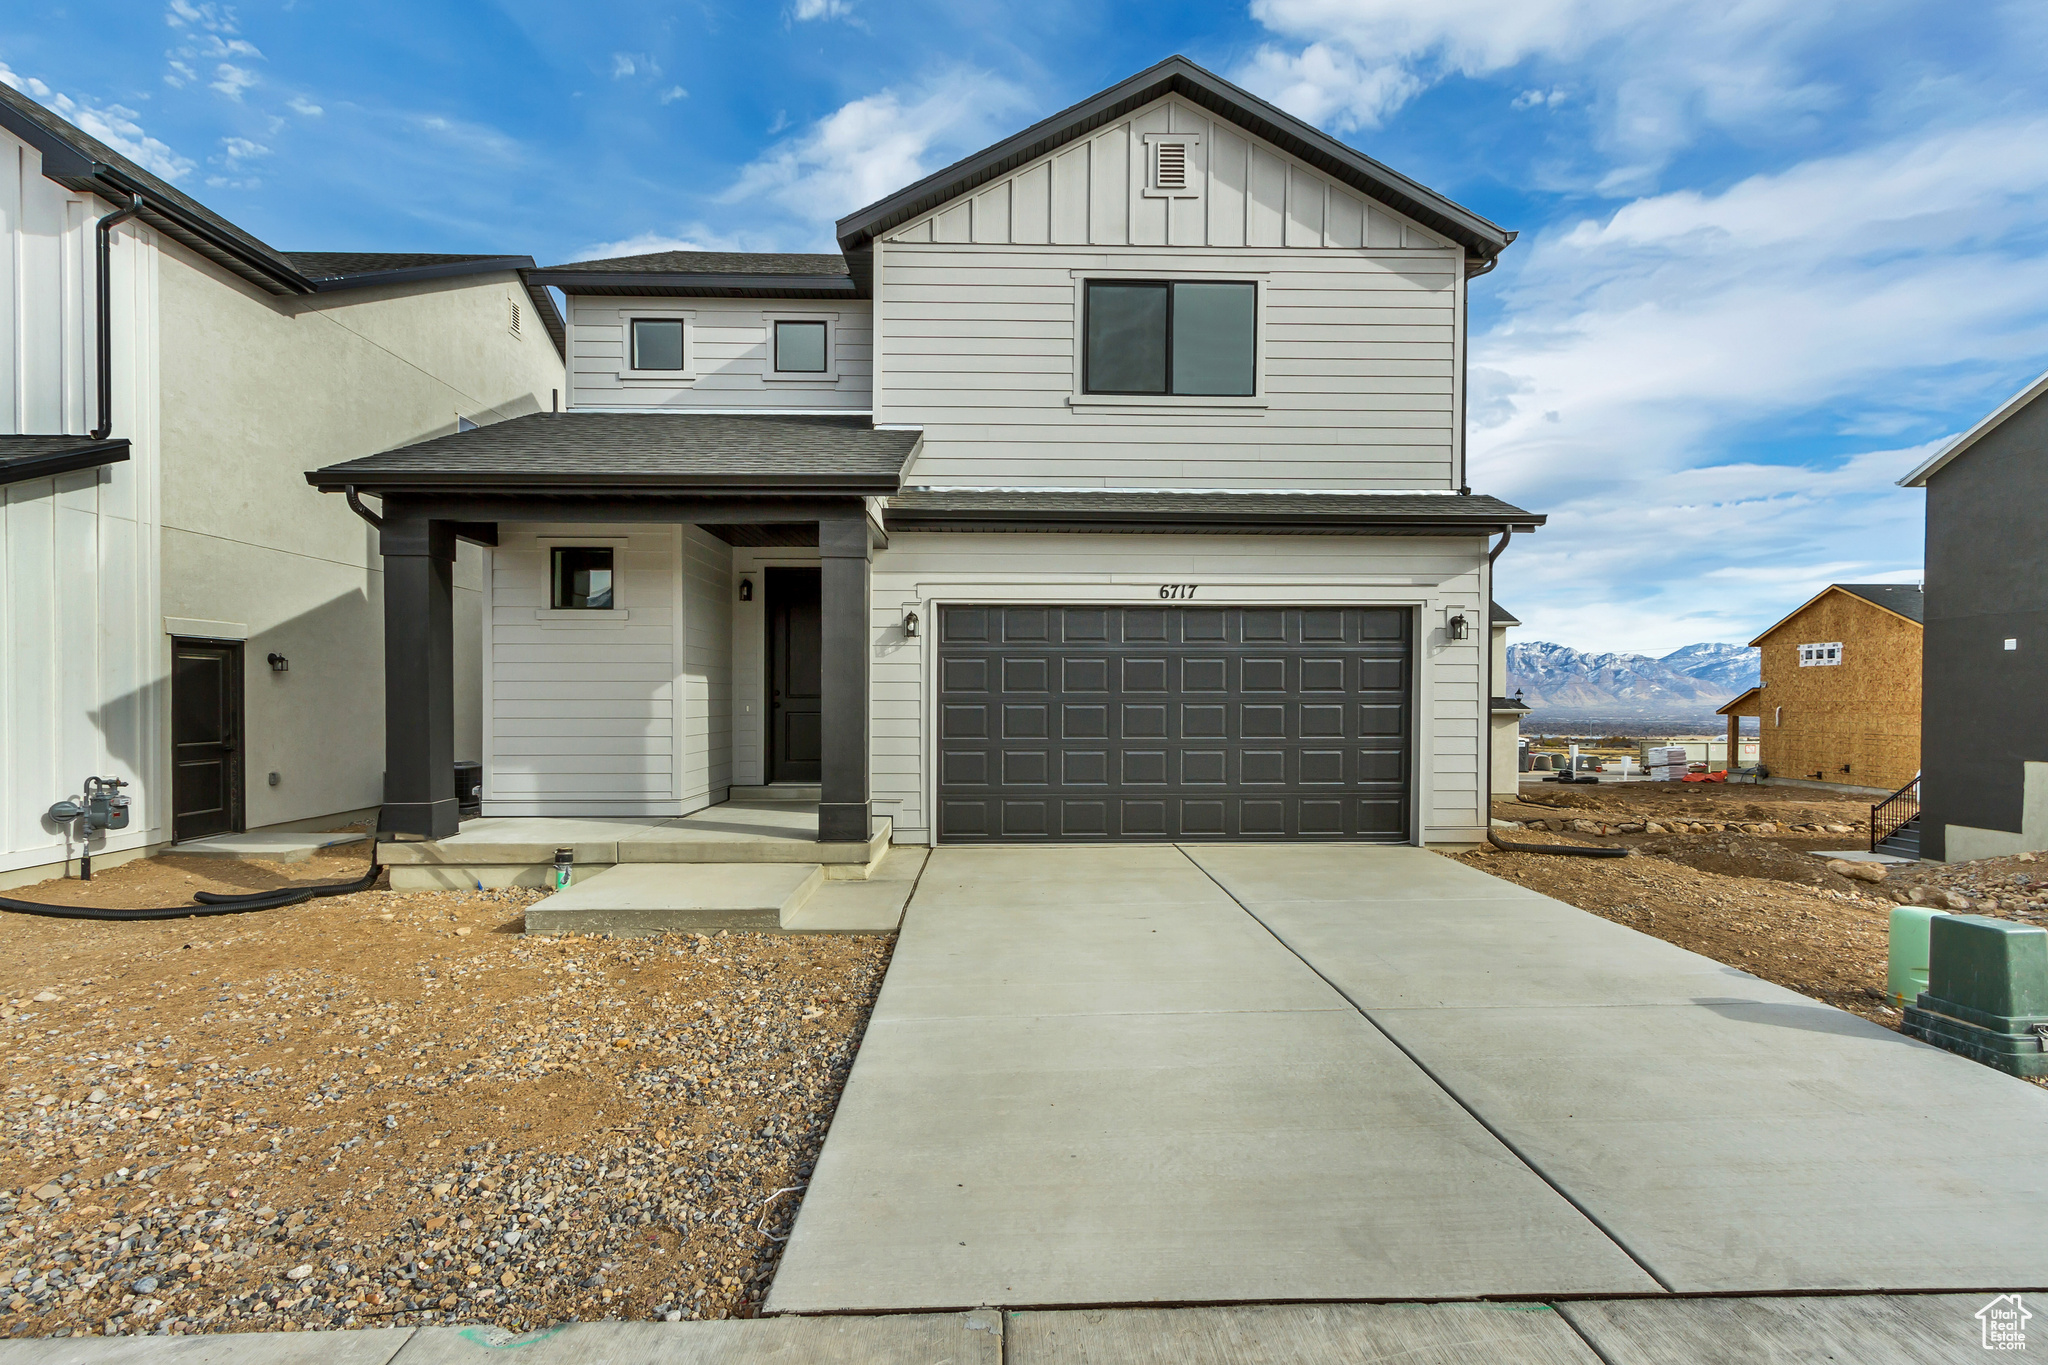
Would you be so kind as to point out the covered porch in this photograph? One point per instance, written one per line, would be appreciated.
(610, 716)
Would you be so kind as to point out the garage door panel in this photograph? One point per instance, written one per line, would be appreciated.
(1174, 723)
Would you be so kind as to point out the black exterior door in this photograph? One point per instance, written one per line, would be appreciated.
(1102, 723)
(794, 648)
(206, 738)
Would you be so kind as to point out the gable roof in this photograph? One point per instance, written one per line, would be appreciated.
(1501, 616)
(78, 161)
(707, 274)
(1742, 704)
(1908, 600)
(2011, 406)
(1482, 240)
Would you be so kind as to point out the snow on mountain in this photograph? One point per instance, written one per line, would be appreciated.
(1557, 679)
(1731, 666)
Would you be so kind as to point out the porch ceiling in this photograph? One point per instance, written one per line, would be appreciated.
(637, 452)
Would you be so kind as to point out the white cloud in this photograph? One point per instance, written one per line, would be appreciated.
(672, 94)
(236, 150)
(1663, 67)
(1881, 285)
(1539, 99)
(304, 107)
(696, 237)
(232, 80)
(208, 32)
(473, 141)
(805, 10)
(112, 124)
(879, 143)
(622, 65)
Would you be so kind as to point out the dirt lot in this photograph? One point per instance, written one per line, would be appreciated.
(1728, 872)
(381, 1109)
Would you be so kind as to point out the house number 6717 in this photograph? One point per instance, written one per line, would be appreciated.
(1170, 590)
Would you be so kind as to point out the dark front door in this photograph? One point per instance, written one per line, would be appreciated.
(206, 738)
(1174, 723)
(794, 645)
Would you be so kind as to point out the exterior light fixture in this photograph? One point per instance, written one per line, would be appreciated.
(910, 625)
(280, 664)
(746, 590)
(1457, 629)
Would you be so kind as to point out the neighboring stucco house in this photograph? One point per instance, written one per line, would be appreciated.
(1840, 698)
(1109, 484)
(158, 543)
(1985, 699)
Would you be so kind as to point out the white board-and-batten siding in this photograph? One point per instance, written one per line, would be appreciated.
(727, 358)
(624, 712)
(1437, 578)
(979, 325)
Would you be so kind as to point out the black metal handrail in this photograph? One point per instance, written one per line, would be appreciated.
(1901, 808)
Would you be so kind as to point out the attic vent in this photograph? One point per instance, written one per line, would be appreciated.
(515, 319)
(1173, 166)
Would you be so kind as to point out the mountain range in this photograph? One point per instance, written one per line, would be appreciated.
(1558, 680)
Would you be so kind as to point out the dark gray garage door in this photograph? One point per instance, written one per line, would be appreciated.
(1173, 723)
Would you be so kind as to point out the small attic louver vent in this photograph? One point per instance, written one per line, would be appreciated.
(515, 319)
(1173, 166)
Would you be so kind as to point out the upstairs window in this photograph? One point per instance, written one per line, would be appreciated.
(800, 348)
(1181, 337)
(1820, 656)
(582, 576)
(657, 344)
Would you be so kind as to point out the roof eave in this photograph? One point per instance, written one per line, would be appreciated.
(336, 478)
(1177, 75)
(87, 455)
(676, 283)
(1998, 417)
(938, 519)
(445, 270)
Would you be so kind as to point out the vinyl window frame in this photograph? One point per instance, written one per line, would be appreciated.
(1252, 404)
(687, 316)
(1826, 654)
(825, 378)
(549, 615)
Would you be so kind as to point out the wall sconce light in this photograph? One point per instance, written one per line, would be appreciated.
(910, 625)
(1457, 628)
(280, 664)
(746, 590)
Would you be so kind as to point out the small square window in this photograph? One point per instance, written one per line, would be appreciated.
(657, 343)
(800, 348)
(582, 577)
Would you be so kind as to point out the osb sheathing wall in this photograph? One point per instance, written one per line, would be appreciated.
(1863, 712)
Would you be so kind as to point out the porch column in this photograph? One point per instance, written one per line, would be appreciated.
(843, 600)
(419, 675)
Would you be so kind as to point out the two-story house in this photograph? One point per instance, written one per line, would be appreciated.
(1107, 485)
(177, 609)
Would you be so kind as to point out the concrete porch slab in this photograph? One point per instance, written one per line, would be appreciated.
(271, 847)
(1869, 1329)
(746, 832)
(656, 898)
(920, 1339)
(873, 906)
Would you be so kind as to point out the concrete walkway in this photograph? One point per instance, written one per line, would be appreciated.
(1257, 1074)
(1865, 1329)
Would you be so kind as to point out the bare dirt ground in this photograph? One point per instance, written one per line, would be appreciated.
(382, 1109)
(1728, 872)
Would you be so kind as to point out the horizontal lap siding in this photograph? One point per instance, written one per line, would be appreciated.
(729, 356)
(707, 667)
(590, 715)
(1444, 576)
(1359, 353)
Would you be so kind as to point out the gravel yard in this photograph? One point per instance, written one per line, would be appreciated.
(382, 1109)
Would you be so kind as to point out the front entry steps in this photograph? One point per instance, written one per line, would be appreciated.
(520, 850)
(634, 899)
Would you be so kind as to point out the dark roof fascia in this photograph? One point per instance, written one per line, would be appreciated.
(1179, 76)
(413, 274)
(680, 284)
(1200, 523)
(415, 483)
(550, 315)
(88, 454)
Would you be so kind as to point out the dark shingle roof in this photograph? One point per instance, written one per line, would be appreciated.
(716, 263)
(1501, 616)
(38, 457)
(1907, 599)
(641, 452)
(342, 265)
(1410, 513)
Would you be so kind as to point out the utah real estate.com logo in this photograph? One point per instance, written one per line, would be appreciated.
(2005, 1323)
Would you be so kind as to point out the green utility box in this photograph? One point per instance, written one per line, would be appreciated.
(1906, 954)
(1987, 992)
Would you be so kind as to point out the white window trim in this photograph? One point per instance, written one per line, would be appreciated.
(688, 317)
(1144, 404)
(616, 615)
(1821, 657)
(1150, 189)
(825, 378)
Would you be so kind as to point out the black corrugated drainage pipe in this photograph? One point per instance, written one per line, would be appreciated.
(103, 274)
(206, 902)
(1568, 850)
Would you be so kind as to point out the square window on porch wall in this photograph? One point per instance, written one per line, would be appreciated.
(582, 578)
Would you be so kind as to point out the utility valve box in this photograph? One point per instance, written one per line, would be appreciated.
(1987, 992)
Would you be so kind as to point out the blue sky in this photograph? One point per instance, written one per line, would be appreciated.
(1772, 252)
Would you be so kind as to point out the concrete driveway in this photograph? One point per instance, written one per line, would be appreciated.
(1258, 1073)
